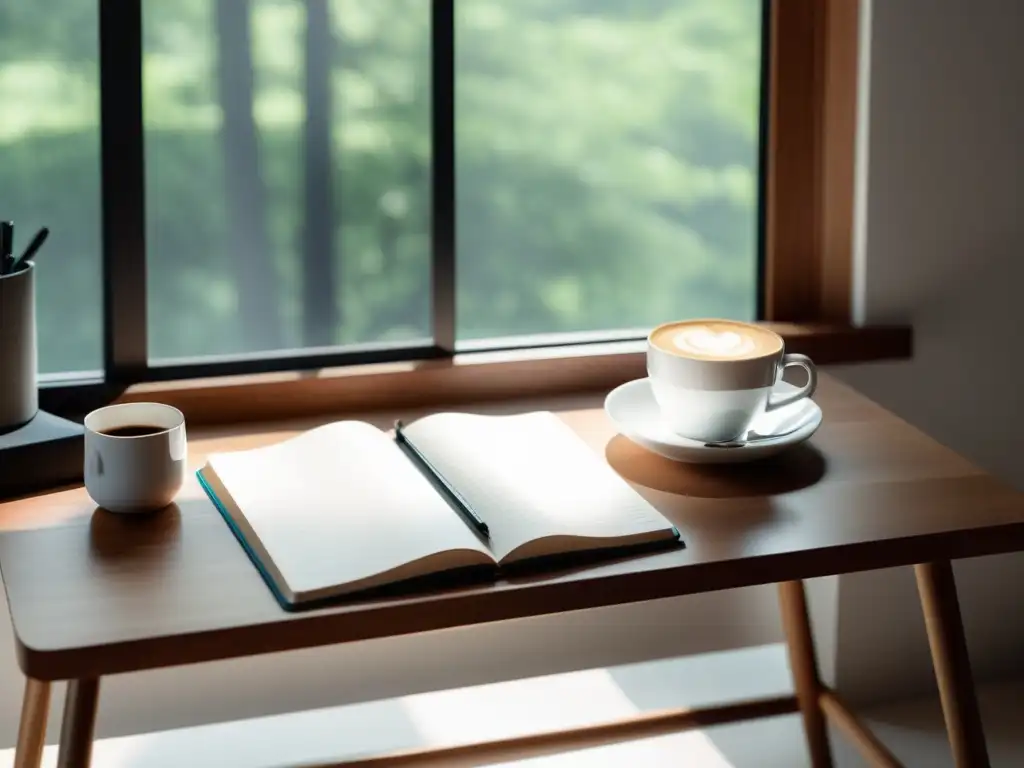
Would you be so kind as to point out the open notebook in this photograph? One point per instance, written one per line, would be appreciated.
(345, 507)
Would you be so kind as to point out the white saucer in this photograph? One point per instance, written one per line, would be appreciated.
(633, 410)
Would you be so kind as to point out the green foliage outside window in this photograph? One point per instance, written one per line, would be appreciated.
(607, 167)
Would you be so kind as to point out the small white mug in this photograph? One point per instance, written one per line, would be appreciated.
(712, 399)
(135, 456)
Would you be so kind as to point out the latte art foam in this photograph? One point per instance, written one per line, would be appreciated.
(722, 340)
(703, 341)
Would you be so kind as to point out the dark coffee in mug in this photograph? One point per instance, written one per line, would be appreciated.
(132, 430)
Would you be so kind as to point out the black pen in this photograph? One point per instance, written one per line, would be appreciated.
(6, 247)
(472, 517)
(35, 245)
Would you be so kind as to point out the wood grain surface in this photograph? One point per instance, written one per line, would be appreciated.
(92, 593)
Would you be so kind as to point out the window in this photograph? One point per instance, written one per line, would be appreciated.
(246, 186)
(50, 169)
(606, 169)
(607, 163)
(287, 157)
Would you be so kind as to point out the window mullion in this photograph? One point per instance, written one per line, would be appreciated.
(442, 87)
(123, 192)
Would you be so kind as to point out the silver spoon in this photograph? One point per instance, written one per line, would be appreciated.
(752, 437)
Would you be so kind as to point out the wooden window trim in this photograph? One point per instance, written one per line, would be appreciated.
(808, 220)
(472, 377)
(811, 157)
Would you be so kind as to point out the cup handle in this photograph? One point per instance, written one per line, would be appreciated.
(800, 361)
(97, 463)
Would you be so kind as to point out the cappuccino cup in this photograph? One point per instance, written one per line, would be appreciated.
(712, 378)
(135, 456)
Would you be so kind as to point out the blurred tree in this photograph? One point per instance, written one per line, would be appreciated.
(319, 308)
(254, 273)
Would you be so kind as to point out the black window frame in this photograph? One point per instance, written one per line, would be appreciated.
(126, 359)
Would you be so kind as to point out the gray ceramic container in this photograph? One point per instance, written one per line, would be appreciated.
(19, 394)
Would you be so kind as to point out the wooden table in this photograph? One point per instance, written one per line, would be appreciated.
(93, 594)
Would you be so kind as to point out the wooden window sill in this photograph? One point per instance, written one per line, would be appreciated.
(473, 377)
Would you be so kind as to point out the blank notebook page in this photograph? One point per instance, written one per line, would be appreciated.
(338, 504)
(530, 476)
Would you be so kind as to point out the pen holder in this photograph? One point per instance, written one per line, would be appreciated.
(19, 395)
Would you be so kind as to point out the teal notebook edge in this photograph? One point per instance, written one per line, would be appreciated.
(304, 606)
(295, 608)
(245, 545)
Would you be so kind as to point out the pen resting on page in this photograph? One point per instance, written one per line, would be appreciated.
(467, 511)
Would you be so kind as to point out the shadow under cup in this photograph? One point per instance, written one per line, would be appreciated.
(135, 456)
(716, 400)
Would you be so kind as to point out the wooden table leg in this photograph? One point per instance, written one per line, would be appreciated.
(35, 706)
(937, 588)
(802, 660)
(79, 717)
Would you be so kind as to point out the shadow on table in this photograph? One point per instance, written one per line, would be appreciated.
(150, 536)
(798, 468)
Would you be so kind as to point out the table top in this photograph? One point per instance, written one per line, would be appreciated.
(93, 593)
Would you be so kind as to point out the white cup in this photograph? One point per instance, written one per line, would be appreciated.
(138, 473)
(716, 400)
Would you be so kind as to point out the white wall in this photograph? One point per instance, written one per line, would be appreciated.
(943, 249)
